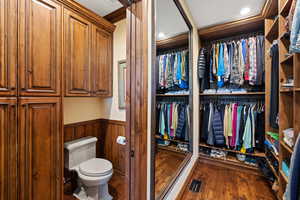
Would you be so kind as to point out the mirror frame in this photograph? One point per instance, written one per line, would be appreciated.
(153, 101)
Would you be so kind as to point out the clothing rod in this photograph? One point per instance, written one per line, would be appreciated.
(174, 50)
(236, 37)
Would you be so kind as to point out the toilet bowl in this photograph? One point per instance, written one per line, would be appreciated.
(93, 173)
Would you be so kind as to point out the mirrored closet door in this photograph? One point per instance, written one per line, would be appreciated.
(172, 97)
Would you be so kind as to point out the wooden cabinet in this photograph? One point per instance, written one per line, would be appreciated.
(102, 62)
(40, 47)
(40, 148)
(77, 54)
(8, 47)
(88, 57)
(8, 149)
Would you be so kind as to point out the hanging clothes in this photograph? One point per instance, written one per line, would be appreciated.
(295, 30)
(236, 62)
(274, 100)
(233, 125)
(174, 121)
(173, 70)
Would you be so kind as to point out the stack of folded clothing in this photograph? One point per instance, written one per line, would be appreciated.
(288, 136)
(272, 142)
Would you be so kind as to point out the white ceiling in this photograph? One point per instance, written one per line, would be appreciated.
(212, 12)
(101, 7)
(169, 20)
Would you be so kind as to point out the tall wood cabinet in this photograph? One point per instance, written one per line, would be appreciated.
(8, 47)
(40, 145)
(39, 40)
(8, 149)
(88, 57)
(40, 47)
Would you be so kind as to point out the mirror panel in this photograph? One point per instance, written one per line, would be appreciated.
(172, 132)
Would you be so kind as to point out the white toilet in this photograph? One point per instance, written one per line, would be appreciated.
(94, 173)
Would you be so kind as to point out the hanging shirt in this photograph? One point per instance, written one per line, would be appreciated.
(253, 62)
(235, 76)
(226, 63)
(241, 65)
(221, 69)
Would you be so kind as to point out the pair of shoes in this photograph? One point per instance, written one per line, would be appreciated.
(218, 153)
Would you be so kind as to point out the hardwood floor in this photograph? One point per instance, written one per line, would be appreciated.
(116, 188)
(166, 165)
(227, 184)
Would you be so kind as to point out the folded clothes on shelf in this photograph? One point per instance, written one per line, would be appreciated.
(288, 136)
(224, 91)
(183, 92)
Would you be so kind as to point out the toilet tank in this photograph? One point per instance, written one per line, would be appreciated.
(78, 151)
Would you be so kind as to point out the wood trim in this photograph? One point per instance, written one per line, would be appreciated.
(116, 15)
(137, 96)
(229, 165)
(250, 24)
(93, 17)
(270, 8)
(187, 181)
(176, 41)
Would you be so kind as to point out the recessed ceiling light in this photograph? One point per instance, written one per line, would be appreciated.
(245, 11)
(161, 35)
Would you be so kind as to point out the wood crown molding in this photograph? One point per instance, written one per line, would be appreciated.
(116, 16)
(95, 18)
(253, 23)
(178, 40)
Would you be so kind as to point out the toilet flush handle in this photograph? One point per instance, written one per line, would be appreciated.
(121, 140)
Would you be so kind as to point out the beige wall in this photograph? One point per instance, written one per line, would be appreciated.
(110, 106)
(81, 109)
(89, 108)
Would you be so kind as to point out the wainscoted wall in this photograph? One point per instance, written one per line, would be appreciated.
(107, 132)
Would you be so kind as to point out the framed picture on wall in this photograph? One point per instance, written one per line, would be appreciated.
(122, 83)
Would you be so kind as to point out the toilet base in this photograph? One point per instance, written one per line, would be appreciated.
(98, 192)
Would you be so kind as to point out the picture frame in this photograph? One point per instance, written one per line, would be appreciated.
(122, 68)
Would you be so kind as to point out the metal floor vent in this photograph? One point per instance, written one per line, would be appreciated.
(195, 185)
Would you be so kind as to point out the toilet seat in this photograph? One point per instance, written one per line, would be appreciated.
(96, 167)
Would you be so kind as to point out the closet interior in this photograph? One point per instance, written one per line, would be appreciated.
(249, 95)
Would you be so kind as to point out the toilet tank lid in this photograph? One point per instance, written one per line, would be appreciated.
(79, 142)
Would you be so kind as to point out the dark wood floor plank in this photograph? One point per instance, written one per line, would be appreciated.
(227, 184)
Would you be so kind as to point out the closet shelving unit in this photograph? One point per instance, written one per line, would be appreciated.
(289, 97)
(231, 154)
(272, 23)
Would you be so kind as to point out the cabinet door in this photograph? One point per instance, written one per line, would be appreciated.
(40, 47)
(8, 149)
(40, 148)
(102, 62)
(77, 54)
(8, 47)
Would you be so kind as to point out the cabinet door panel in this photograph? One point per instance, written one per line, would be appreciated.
(41, 148)
(8, 149)
(8, 47)
(102, 65)
(40, 48)
(77, 54)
